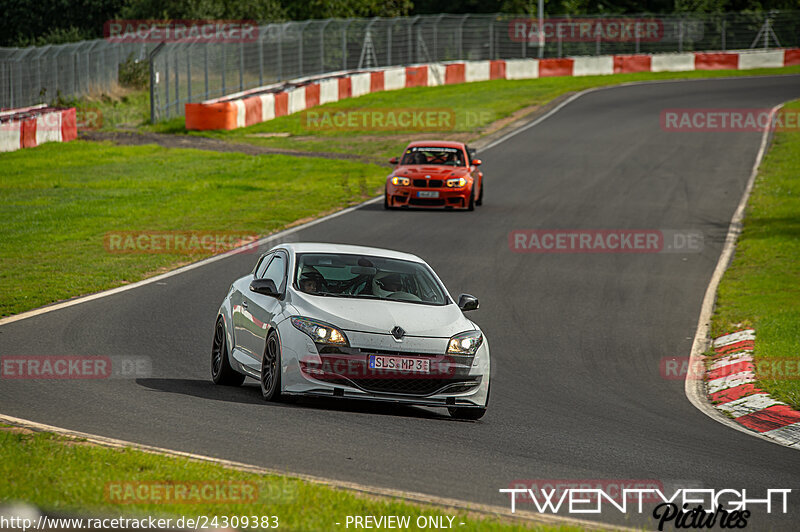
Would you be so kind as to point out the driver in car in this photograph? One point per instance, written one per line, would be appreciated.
(387, 284)
(311, 281)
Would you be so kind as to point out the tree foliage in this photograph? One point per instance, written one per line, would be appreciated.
(27, 22)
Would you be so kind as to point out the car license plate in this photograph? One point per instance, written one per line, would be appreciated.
(415, 365)
(428, 194)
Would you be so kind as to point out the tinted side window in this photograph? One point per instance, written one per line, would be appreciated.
(276, 272)
(262, 266)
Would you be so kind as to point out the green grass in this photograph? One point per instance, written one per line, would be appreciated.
(58, 201)
(475, 106)
(69, 477)
(761, 288)
(121, 108)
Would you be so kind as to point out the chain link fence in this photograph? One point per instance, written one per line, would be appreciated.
(182, 72)
(33, 75)
(191, 72)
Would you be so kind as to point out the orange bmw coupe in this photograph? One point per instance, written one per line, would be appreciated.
(435, 174)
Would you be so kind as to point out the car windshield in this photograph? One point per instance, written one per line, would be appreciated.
(367, 277)
(433, 156)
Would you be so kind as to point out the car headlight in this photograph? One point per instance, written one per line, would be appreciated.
(319, 331)
(457, 182)
(402, 181)
(466, 343)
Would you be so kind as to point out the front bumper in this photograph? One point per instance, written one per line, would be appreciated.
(397, 196)
(344, 372)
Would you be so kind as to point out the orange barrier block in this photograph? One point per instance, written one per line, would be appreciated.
(28, 133)
(281, 104)
(252, 110)
(376, 81)
(345, 88)
(203, 116)
(69, 125)
(791, 57)
(497, 69)
(555, 67)
(417, 76)
(721, 61)
(312, 95)
(631, 63)
(454, 73)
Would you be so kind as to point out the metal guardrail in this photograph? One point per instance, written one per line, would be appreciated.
(184, 72)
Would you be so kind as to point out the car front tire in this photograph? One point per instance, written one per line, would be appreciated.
(270, 369)
(221, 370)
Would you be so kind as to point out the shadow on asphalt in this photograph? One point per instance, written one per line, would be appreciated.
(379, 207)
(250, 393)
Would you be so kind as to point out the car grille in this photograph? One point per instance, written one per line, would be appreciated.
(428, 183)
(427, 202)
(419, 387)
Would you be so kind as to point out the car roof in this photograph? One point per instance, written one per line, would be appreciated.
(318, 247)
(436, 144)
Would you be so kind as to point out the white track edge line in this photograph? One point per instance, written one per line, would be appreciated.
(410, 496)
(694, 388)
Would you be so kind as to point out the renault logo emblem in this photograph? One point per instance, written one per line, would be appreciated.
(398, 333)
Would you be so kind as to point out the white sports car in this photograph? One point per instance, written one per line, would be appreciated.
(355, 322)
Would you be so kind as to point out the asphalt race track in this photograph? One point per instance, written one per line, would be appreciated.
(576, 339)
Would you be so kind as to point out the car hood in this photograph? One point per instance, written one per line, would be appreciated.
(381, 316)
(436, 172)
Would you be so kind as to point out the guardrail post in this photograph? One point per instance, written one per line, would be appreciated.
(205, 69)
(177, 83)
(597, 48)
(461, 37)
(322, 45)
(241, 65)
(724, 24)
(280, 53)
(491, 39)
(189, 73)
(151, 61)
(223, 70)
(260, 59)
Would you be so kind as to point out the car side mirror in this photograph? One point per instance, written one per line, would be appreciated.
(264, 286)
(393, 160)
(467, 302)
(477, 162)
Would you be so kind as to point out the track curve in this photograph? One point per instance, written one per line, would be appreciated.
(576, 338)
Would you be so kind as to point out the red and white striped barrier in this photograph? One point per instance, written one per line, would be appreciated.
(32, 126)
(266, 103)
(731, 387)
